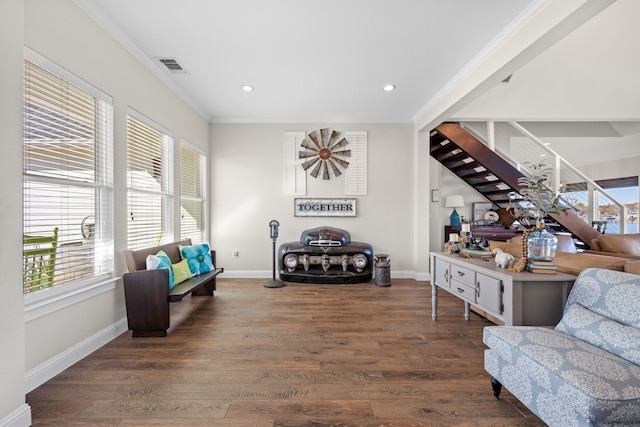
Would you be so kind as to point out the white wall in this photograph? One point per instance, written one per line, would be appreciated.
(64, 34)
(12, 389)
(247, 192)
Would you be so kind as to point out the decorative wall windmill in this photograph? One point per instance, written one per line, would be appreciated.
(324, 152)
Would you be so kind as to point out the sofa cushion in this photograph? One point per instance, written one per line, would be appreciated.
(596, 329)
(632, 267)
(575, 263)
(621, 243)
(539, 365)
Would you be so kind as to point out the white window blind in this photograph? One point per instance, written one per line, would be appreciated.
(150, 185)
(295, 177)
(192, 194)
(67, 179)
(355, 181)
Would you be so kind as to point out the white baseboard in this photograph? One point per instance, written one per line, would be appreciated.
(261, 274)
(21, 417)
(52, 367)
(247, 274)
(422, 277)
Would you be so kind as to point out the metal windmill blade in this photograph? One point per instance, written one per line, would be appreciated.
(305, 154)
(325, 170)
(308, 144)
(332, 140)
(313, 135)
(343, 153)
(334, 168)
(341, 162)
(306, 165)
(342, 143)
(324, 133)
(316, 168)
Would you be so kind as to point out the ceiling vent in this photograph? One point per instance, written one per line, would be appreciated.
(172, 65)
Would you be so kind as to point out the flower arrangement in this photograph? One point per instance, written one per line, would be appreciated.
(537, 201)
(538, 197)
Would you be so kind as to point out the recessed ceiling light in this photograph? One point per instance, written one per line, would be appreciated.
(389, 88)
(247, 88)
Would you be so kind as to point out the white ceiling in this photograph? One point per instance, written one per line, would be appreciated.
(310, 60)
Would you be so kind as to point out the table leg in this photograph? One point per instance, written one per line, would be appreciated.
(466, 311)
(434, 302)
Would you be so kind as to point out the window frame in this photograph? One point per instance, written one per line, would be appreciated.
(41, 302)
(201, 199)
(166, 192)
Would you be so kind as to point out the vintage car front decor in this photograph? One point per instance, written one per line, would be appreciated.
(325, 255)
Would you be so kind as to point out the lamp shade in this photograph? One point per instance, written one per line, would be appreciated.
(454, 202)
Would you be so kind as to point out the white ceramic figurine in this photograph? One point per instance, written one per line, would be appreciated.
(503, 259)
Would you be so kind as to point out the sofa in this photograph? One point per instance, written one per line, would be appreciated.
(585, 371)
(618, 245)
(570, 261)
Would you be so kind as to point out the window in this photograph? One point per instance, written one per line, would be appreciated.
(355, 181)
(150, 185)
(192, 194)
(295, 177)
(67, 179)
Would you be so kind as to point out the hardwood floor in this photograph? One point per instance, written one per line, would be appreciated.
(301, 355)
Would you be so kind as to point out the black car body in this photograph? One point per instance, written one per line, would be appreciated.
(325, 255)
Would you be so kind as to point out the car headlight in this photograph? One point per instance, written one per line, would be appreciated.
(360, 261)
(291, 262)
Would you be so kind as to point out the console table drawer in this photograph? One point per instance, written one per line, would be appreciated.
(463, 274)
(463, 291)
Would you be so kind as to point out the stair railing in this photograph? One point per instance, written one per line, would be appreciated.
(520, 147)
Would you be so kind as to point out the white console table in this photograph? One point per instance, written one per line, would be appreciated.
(513, 298)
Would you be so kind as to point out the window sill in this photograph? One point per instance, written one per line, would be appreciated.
(46, 301)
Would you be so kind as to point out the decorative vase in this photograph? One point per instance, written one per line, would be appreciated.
(541, 244)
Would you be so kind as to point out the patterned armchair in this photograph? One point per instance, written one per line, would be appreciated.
(586, 371)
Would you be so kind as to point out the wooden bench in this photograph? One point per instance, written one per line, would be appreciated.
(147, 293)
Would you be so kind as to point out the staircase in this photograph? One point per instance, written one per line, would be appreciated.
(490, 174)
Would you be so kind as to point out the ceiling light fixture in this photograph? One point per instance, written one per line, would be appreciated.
(389, 88)
(247, 88)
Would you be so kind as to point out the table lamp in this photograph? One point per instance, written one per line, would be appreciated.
(454, 202)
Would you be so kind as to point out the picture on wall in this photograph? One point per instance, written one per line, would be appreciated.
(480, 211)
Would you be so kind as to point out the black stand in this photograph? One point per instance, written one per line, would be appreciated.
(274, 283)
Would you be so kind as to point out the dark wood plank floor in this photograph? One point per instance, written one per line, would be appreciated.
(302, 355)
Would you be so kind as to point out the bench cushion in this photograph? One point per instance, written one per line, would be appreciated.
(562, 378)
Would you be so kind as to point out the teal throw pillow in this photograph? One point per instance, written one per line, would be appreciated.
(198, 257)
(161, 260)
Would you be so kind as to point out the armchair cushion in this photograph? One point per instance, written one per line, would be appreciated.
(596, 329)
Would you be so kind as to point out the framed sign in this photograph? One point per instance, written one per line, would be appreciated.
(325, 207)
